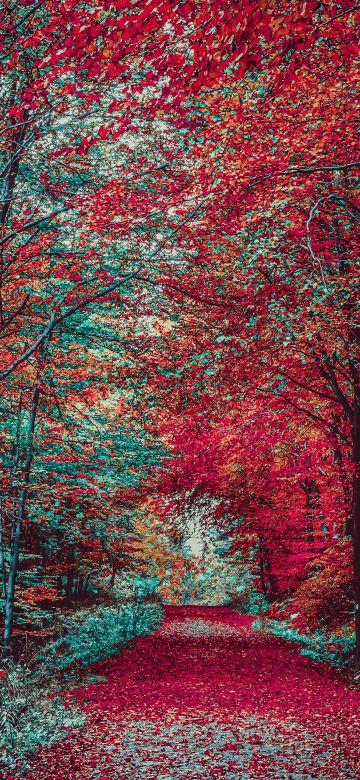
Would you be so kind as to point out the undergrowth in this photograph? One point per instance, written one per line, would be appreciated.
(33, 713)
(336, 648)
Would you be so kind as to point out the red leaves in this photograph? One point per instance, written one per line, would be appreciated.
(104, 132)
(209, 691)
(247, 194)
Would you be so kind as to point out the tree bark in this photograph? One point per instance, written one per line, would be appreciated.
(2, 555)
(346, 487)
(113, 575)
(266, 573)
(69, 589)
(312, 494)
(17, 528)
(80, 587)
(261, 567)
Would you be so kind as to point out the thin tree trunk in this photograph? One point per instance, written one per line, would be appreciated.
(86, 583)
(9, 180)
(80, 587)
(70, 579)
(113, 575)
(312, 494)
(2, 555)
(346, 487)
(17, 528)
(261, 567)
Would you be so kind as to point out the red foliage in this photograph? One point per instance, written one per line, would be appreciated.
(206, 690)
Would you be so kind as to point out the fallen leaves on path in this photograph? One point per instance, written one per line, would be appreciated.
(206, 697)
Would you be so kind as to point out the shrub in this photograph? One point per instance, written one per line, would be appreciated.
(91, 636)
(29, 717)
(324, 601)
(338, 649)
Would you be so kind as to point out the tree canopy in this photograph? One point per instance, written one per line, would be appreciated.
(179, 301)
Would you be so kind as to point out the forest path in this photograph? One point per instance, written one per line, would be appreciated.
(208, 697)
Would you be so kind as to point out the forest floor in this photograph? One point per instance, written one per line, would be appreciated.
(208, 697)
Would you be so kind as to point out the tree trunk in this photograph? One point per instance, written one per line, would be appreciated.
(18, 523)
(9, 177)
(80, 587)
(346, 487)
(113, 575)
(261, 567)
(312, 494)
(266, 572)
(2, 555)
(271, 577)
(86, 583)
(70, 579)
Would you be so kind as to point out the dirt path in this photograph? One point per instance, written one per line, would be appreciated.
(207, 697)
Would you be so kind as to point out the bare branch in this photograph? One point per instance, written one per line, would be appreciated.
(31, 224)
(54, 321)
(16, 313)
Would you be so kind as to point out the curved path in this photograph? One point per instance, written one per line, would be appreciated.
(207, 697)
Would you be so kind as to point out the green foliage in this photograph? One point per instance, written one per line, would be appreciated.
(29, 717)
(337, 649)
(246, 599)
(91, 636)
(127, 587)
